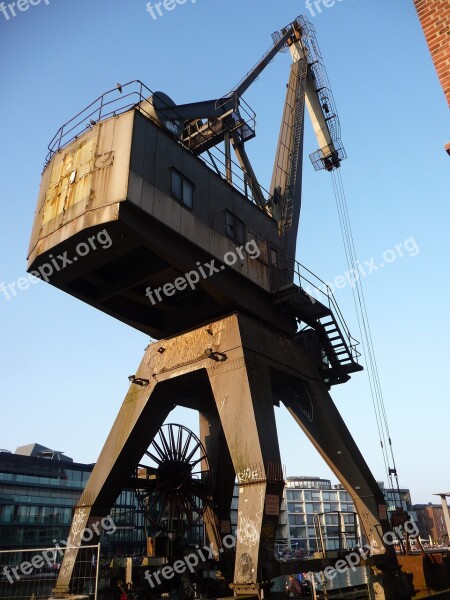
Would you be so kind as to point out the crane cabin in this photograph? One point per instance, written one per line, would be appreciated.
(168, 215)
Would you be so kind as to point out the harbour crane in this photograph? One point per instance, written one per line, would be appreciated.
(233, 342)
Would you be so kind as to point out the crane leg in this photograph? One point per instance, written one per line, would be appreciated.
(232, 371)
(217, 517)
(244, 401)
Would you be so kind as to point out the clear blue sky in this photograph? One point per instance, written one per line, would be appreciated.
(64, 365)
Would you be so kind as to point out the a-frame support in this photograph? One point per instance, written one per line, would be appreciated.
(232, 371)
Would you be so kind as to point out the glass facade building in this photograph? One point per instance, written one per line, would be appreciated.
(315, 508)
(37, 497)
(39, 489)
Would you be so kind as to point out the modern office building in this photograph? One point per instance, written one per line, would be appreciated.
(317, 509)
(315, 513)
(39, 488)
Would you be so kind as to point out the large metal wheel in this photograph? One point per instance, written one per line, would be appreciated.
(175, 478)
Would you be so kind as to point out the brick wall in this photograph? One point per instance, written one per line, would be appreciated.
(434, 16)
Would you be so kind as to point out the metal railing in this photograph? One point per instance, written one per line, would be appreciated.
(131, 96)
(32, 573)
(347, 534)
(291, 271)
(114, 102)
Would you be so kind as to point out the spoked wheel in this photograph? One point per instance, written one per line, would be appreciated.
(175, 480)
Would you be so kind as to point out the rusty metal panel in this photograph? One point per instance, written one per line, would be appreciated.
(90, 173)
(414, 564)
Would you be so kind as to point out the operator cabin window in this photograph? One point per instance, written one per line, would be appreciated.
(234, 227)
(182, 189)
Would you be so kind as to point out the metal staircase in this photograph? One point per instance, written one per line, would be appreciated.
(322, 316)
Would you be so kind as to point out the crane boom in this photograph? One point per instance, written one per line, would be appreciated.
(308, 84)
(252, 75)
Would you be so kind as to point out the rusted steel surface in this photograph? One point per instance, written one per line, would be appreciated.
(232, 371)
(431, 570)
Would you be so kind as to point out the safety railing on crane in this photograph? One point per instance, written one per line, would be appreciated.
(114, 102)
(132, 95)
(289, 271)
(325, 95)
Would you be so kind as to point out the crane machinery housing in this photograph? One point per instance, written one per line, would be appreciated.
(234, 341)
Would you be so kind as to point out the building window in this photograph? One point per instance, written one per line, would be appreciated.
(293, 495)
(295, 507)
(330, 506)
(312, 507)
(296, 520)
(235, 228)
(349, 519)
(329, 496)
(331, 519)
(182, 189)
(297, 532)
(312, 496)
